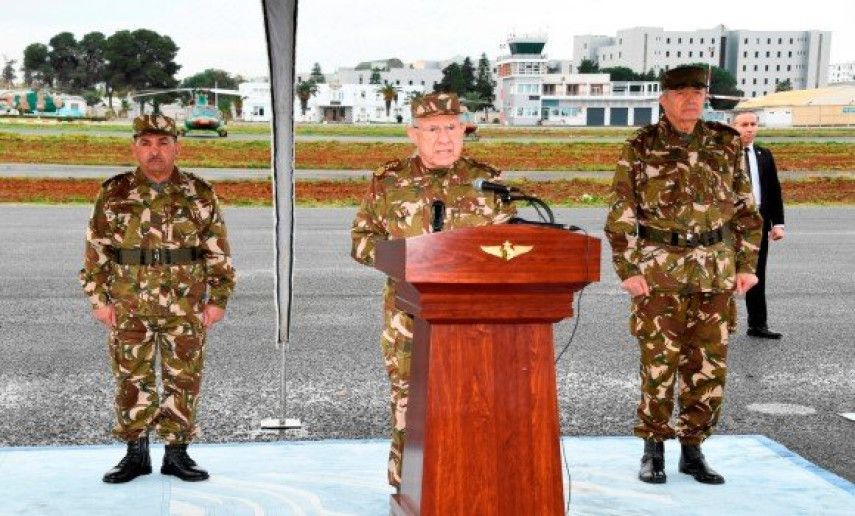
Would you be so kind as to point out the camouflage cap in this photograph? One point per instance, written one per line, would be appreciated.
(685, 77)
(157, 124)
(436, 104)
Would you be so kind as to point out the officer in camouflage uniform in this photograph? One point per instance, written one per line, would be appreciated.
(684, 232)
(158, 273)
(398, 204)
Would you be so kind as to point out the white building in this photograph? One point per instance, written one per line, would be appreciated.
(392, 71)
(527, 93)
(758, 59)
(256, 106)
(356, 103)
(843, 72)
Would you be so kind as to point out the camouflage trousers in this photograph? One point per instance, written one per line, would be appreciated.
(396, 343)
(681, 336)
(133, 344)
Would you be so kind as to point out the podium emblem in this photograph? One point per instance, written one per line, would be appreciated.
(507, 251)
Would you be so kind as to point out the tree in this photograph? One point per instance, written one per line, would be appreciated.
(452, 81)
(64, 59)
(36, 67)
(141, 60)
(414, 96)
(9, 74)
(91, 63)
(212, 78)
(375, 76)
(722, 83)
(785, 85)
(467, 70)
(484, 82)
(317, 76)
(588, 66)
(622, 73)
(389, 93)
(305, 90)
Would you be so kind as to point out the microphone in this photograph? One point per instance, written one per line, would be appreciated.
(437, 218)
(483, 185)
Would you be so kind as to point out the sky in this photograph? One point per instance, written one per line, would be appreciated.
(229, 34)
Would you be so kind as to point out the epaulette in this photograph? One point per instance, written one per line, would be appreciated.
(394, 165)
(718, 126)
(495, 172)
(643, 135)
(118, 177)
(194, 177)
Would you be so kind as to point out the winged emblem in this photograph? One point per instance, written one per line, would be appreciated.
(506, 251)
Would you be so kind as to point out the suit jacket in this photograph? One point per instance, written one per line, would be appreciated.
(772, 204)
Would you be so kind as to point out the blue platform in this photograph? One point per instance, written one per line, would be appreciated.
(348, 477)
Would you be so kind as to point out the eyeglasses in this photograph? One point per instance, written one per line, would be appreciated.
(435, 130)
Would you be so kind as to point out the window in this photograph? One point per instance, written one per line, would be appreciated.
(766, 68)
(596, 89)
(753, 93)
(678, 53)
(690, 53)
(712, 53)
(745, 54)
(679, 41)
(777, 68)
(754, 81)
(691, 40)
(768, 41)
(743, 81)
(768, 54)
(789, 67)
(701, 53)
(756, 54)
(398, 82)
(746, 41)
(790, 53)
(766, 81)
(743, 68)
(712, 41)
(776, 81)
(667, 53)
(791, 41)
(410, 83)
(755, 68)
(702, 41)
(780, 40)
(668, 40)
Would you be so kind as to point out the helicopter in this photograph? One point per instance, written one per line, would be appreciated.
(201, 116)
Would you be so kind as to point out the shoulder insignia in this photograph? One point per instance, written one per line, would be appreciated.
(117, 178)
(493, 171)
(718, 126)
(390, 166)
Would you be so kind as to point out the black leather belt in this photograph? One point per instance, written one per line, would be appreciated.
(157, 256)
(683, 239)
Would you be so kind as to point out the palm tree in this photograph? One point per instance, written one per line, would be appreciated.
(306, 90)
(389, 93)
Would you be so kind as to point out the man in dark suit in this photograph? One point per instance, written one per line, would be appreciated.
(760, 166)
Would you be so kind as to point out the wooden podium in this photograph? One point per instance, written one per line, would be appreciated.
(482, 420)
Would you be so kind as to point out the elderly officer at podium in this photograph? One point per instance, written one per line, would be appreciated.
(684, 232)
(157, 272)
(429, 191)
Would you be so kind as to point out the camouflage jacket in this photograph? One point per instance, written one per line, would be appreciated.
(666, 182)
(398, 203)
(129, 213)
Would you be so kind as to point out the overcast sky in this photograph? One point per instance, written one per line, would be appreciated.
(229, 34)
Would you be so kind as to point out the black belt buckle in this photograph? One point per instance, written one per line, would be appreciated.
(693, 239)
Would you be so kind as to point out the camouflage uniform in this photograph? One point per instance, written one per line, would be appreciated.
(157, 306)
(682, 184)
(398, 205)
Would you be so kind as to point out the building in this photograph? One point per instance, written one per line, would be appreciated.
(529, 93)
(256, 105)
(392, 71)
(828, 106)
(843, 72)
(759, 60)
(356, 103)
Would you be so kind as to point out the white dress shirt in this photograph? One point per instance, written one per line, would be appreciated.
(753, 172)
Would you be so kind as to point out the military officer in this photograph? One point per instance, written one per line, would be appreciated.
(158, 273)
(401, 202)
(684, 232)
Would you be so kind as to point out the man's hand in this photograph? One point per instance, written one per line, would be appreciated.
(636, 286)
(212, 314)
(744, 282)
(106, 315)
(776, 233)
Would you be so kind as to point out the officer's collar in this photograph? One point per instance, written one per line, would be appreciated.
(174, 178)
(676, 137)
(420, 167)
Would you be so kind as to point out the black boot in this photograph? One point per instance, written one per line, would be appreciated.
(763, 332)
(692, 462)
(135, 463)
(177, 462)
(653, 462)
